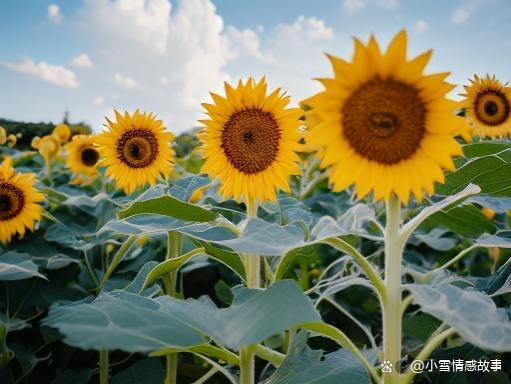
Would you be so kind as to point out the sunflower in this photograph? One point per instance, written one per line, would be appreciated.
(63, 132)
(19, 208)
(487, 105)
(382, 125)
(250, 141)
(82, 156)
(135, 149)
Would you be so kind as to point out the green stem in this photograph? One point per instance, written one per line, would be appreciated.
(433, 343)
(455, 259)
(174, 247)
(171, 371)
(391, 309)
(247, 365)
(268, 354)
(103, 366)
(116, 260)
(253, 272)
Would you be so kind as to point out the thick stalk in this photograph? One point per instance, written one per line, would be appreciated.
(174, 247)
(253, 272)
(171, 371)
(103, 366)
(391, 310)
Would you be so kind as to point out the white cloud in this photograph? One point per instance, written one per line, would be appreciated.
(305, 28)
(354, 6)
(54, 74)
(82, 61)
(54, 14)
(460, 15)
(420, 26)
(245, 42)
(98, 100)
(125, 81)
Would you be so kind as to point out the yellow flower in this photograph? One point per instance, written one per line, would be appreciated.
(384, 126)
(35, 142)
(19, 208)
(82, 156)
(489, 213)
(487, 105)
(250, 141)
(135, 149)
(11, 140)
(48, 146)
(3, 136)
(63, 132)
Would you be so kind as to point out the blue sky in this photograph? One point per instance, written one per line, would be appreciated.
(90, 56)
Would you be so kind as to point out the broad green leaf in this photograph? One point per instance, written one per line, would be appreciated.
(121, 320)
(17, 266)
(436, 239)
(183, 188)
(501, 239)
(230, 259)
(253, 316)
(306, 366)
(466, 220)
(138, 283)
(471, 313)
(168, 205)
(489, 167)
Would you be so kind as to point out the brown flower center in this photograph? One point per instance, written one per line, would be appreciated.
(250, 140)
(384, 121)
(137, 148)
(89, 156)
(12, 201)
(491, 107)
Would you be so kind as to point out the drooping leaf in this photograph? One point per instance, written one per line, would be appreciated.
(168, 205)
(17, 266)
(121, 320)
(471, 313)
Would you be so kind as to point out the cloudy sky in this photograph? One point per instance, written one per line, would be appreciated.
(89, 56)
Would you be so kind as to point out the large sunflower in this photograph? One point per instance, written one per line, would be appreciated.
(250, 141)
(82, 156)
(135, 149)
(382, 125)
(487, 105)
(19, 208)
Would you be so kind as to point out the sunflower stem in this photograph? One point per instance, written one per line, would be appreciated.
(174, 248)
(103, 366)
(391, 308)
(253, 272)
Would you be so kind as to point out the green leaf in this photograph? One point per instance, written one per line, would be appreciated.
(121, 320)
(17, 266)
(254, 315)
(466, 220)
(306, 366)
(471, 313)
(168, 205)
(489, 167)
(205, 349)
(170, 265)
(228, 258)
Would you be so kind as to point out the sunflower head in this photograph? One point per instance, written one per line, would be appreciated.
(382, 125)
(487, 106)
(136, 149)
(63, 132)
(48, 147)
(250, 141)
(82, 155)
(19, 202)
(11, 140)
(3, 136)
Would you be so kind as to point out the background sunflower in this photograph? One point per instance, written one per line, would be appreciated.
(135, 149)
(383, 125)
(250, 141)
(82, 156)
(487, 105)
(19, 208)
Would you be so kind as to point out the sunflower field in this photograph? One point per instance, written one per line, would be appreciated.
(360, 237)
